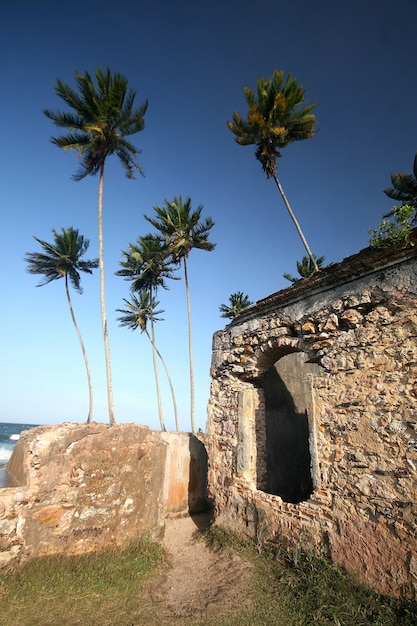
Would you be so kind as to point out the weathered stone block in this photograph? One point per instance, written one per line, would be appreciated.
(91, 485)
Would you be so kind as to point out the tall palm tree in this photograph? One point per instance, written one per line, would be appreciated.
(404, 188)
(62, 259)
(237, 302)
(182, 229)
(305, 268)
(276, 118)
(147, 266)
(100, 119)
(139, 311)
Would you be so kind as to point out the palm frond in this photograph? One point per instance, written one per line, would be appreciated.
(237, 302)
(147, 264)
(276, 118)
(101, 110)
(181, 227)
(61, 258)
(140, 310)
(404, 187)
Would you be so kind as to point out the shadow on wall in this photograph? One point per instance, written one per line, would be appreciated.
(186, 474)
(198, 500)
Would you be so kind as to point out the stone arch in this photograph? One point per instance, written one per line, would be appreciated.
(276, 449)
(274, 349)
(284, 424)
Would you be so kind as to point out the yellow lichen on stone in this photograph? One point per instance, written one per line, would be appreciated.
(49, 515)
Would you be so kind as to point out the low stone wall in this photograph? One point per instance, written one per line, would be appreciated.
(353, 331)
(85, 486)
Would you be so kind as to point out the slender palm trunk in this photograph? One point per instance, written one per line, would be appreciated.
(174, 402)
(87, 367)
(155, 369)
(297, 225)
(190, 348)
(103, 299)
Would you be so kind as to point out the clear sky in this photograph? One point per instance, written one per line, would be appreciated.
(191, 59)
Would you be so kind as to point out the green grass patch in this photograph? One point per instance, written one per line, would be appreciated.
(109, 588)
(296, 588)
(97, 589)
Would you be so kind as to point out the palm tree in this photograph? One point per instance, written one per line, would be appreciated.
(138, 312)
(62, 259)
(183, 231)
(147, 266)
(404, 188)
(305, 268)
(276, 118)
(100, 119)
(237, 302)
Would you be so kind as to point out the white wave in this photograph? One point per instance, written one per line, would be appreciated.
(5, 453)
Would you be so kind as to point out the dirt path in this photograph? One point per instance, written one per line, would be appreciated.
(198, 582)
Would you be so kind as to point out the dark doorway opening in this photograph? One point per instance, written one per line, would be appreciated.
(287, 452)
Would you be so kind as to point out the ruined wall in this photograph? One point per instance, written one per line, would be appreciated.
(357, 323)
(85, 486)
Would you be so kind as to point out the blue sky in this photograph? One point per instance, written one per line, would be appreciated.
(191, 60)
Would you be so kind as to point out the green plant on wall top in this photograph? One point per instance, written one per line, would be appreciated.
(395, 228)
(237, 302)
(305, 268)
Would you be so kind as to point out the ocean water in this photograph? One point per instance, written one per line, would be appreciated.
(9, 436)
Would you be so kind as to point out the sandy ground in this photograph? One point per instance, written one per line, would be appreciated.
(199, 582)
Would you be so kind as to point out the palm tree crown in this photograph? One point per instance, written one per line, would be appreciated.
(62, 259)
(275, 119)
(237, 302)
(182, 230)
(404, 187)
(140, 309)
(180, 225)
(305, 268)
(102, 116)
(146, 264)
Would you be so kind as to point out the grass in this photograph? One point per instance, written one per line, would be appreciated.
(109, 589)
(294, 588)
(63, 591)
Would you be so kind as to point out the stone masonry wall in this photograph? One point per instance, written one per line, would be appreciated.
(86, 486)
(357, 322)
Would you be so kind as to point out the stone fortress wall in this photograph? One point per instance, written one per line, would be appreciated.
(312, 420)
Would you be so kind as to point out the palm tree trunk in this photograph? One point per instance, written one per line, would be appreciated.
(103, 299)
(155, 369)
(174, 402)
(190, 348)
(87, 367)
(297, 225)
